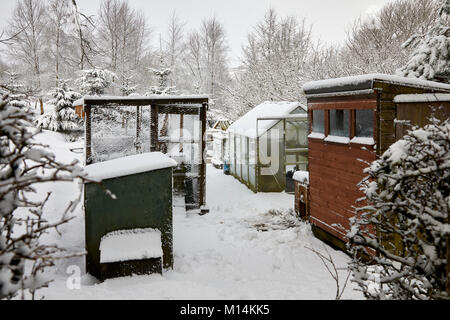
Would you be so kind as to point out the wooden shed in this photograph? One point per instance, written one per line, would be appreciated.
(415, 110)
(352, 121)
(266, 142)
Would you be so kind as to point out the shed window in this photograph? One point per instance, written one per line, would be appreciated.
(339, 123)
(318, 123)
(364, 123)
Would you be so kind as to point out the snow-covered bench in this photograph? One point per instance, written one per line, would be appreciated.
(127, 252)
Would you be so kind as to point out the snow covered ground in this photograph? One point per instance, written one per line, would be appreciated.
(237, 251)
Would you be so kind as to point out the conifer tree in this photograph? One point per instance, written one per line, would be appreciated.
(63, 117)
(431, 56)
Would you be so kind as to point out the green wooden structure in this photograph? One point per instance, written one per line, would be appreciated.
(142, 185)
(266, 143)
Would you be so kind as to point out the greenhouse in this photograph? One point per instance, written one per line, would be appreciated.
(267, 144)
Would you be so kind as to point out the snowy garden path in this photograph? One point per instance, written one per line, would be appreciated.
(237, 251)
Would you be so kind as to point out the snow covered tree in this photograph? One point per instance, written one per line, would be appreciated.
(431, 55)
(374, 42)
(63, 117)
(23, 165)
(16, 92)
(406, 219)
(127, 87)
(274, 62)
(162, 75)
(95, 81)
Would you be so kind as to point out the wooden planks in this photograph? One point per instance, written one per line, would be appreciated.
(335, 170)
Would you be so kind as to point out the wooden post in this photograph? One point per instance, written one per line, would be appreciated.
(202, 184)
(181, 131)
(326, 115)
(138, 129)
(154, 145)
(87, 130)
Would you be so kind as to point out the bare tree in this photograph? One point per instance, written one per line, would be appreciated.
(275, 62)
(60, 45)
(83, 26)
(174, 47)
(122, 34)
(26, 30)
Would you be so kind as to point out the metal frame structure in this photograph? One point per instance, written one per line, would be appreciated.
(182, 105)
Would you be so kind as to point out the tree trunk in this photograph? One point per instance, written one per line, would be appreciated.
(42, 105)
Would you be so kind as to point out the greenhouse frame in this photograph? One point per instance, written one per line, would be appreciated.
(266, 143)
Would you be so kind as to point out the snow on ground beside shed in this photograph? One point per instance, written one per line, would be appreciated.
(225, 254)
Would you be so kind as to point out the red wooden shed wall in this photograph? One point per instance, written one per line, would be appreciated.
(335, 170)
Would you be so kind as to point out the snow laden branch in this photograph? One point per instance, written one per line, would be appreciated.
(23, 165)
(402, 235)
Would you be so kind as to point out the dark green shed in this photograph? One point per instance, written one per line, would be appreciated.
(142, 188)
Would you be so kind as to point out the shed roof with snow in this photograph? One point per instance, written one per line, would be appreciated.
(424, 97)
(129, 165)
(365, 82)
(246, 125)
(141, 100)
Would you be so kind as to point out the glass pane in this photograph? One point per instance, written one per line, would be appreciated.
(252, 151)
(364, 123)
(232, 155)
(318, 124)
(296, 134)
(238, 155)
(339, 123)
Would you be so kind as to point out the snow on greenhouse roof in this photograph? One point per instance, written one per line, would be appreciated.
(134, 244)
(425, 97)
(132, 98)
(246, 125)
(129, 165)
(366, 81)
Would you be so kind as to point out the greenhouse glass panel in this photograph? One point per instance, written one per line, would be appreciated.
(244, 158)
(238, 156)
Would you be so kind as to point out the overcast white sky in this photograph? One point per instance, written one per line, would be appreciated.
(330, 18)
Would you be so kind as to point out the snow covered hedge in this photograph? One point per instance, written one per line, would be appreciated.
(408, 196)
(24, 164)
